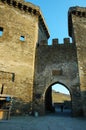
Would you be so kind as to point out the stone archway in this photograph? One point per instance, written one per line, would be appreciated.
(49, 106)
(43, 99)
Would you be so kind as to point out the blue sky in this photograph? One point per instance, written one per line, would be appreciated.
(55, 13)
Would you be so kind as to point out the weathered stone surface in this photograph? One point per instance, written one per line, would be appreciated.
(29, 66)
(20, 30)
(79, 32)
(55, 64)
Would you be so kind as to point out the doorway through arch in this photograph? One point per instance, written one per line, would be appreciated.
(58, 99)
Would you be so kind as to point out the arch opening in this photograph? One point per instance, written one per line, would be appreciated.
(58, 99)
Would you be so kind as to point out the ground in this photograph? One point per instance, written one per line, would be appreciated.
(49, 122)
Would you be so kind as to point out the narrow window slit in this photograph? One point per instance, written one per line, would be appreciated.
(14, 3)
(1, 31)
(22, 38)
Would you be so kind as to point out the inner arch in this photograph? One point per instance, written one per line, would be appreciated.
(57, 98)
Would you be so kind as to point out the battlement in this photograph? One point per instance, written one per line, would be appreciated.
(20, 4)
(78, 12)
(30, 8)
(55, 42)
(28, 71)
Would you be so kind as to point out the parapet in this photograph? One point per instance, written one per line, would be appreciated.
(77, 11)
(55, 42)
(66, 40)
(28, 7)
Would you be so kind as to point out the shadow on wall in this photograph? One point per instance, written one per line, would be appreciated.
(20, 107)
(83, 97)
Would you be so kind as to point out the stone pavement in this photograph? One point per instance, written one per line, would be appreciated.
(48, 122)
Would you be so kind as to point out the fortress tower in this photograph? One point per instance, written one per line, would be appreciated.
(22, 26)
(29, 66)
(77, 30)
(65, 64)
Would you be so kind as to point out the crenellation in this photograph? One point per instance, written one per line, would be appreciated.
(66, 40)
(84, 14)
(55, 41)
(32, 66)
(25, 8)
(81, 12)
(4, 1)
(34, 12)
(28, 8)
(9, 2)
(20, 6)
(15, 4)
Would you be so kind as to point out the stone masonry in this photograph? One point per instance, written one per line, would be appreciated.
(77, 30)
(19, 25)
(29, 66)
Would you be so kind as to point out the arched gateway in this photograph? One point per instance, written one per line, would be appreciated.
(48, 98)
(43, 98)
(64, 63)
(32, 66)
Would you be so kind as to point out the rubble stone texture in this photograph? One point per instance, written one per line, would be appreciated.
(29, 66)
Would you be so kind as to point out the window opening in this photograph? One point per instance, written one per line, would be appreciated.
(30, 9)
(34, 11)
(8, 1)
(14, 3)
(22, 38)
(13, 77)
(19, 5)
(1, 31)
(25, 7)
(2, 88)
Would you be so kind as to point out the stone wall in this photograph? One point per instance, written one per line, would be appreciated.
(78, 16)
(17, 54)
(29, 66)
(19, 35)
(56, 63)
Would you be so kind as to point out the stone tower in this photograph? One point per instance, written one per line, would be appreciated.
(22, 26)
(29, 66)
(77, 30)
(65, 64)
